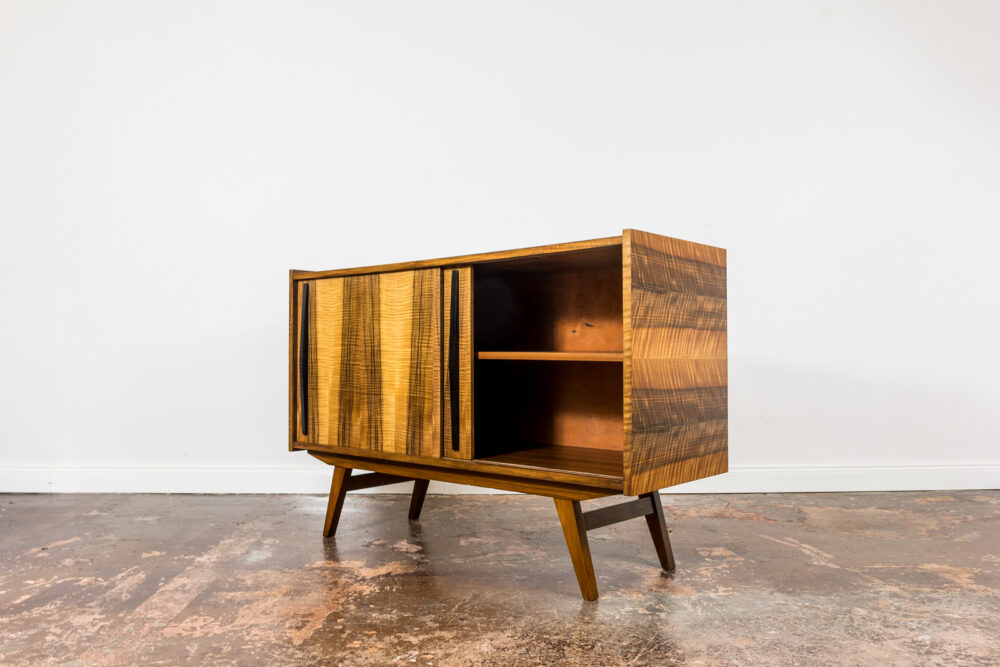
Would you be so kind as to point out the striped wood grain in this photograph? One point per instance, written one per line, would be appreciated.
(465, 364)
(374, 362)
(676, 409)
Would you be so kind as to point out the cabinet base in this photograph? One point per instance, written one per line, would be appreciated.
(575, 522)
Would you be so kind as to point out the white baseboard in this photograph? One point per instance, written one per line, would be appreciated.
(805, 479)
(316, 479)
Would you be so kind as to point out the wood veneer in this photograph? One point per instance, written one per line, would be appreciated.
(676, 407)
(373, 362)
(575, 370)
(463, 400)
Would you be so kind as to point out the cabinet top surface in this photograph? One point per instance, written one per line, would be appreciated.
(607, 242)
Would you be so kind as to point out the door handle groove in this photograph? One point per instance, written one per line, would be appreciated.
(304, 361)
(453, 354)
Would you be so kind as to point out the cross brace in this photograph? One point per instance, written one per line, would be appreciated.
(576, 523)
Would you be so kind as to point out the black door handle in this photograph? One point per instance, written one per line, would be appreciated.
(304, 360)
(453, 361)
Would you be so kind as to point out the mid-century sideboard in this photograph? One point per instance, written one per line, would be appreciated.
(573, 371)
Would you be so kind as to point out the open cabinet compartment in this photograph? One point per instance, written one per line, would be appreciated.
(548, 369)
(562, 415)
(565, 303)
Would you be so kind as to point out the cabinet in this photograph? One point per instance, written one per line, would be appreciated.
(574, 371)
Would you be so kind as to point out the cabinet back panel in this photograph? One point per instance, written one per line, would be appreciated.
(575, 404)
(546, 305)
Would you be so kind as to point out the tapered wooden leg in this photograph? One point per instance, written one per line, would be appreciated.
(338, 491)
(417, 499)
(658, 530)
(571, 518)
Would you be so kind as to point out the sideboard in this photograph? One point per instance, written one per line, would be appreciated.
(574, 371)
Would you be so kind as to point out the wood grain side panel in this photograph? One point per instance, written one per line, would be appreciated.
(688, 440)
(679, 373)
(654, 270)
(670, 343)
(680, 249)
(676, 310)
(689, 469)
(676, 369)
(660, 409)
(465, 352)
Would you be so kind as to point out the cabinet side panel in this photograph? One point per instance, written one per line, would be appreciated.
(678, 378)
(292, 359)
(465, 365)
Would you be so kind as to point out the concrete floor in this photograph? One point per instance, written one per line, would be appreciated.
(781, 579)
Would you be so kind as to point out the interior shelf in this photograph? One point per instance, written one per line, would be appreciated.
(550, 356)
(587, 460)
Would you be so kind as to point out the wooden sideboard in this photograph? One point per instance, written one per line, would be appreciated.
(573, 371)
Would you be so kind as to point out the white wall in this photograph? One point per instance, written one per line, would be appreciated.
(164, 163)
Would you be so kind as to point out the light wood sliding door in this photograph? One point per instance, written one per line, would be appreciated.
(676, 408)
(368, 362)
(458, 411)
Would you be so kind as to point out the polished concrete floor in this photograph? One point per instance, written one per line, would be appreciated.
(780, 579)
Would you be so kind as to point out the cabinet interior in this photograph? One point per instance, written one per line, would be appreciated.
(566, 302)
(548, 370)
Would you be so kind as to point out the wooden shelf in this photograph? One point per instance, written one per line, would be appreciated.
(551, 356)
(587, 460)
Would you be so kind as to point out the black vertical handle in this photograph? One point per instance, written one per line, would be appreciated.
(453, 361)
(304, 360)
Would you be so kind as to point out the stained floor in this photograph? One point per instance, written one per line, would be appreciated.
(779, 579)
